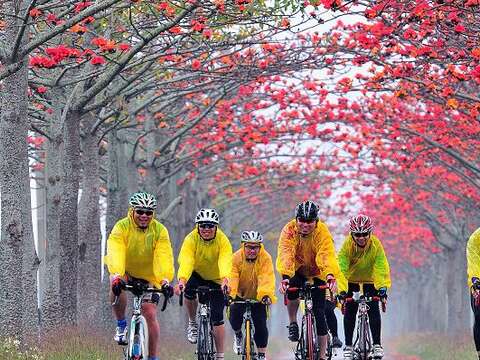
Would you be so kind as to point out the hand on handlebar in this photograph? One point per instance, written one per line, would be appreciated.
(118, 284)
(225, 286)
(266, 300)
(382, 293)
(284, 286)
(167, 289)
(180, 287)
(332, 283)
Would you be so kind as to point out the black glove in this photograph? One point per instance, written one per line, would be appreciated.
(476, 283)
(342, 296)
(167, 290)
(266, 300)
(382, 292)
(118, 284)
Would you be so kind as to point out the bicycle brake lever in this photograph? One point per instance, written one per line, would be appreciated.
(164, 305)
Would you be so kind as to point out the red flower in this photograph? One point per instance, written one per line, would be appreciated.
(97, 60)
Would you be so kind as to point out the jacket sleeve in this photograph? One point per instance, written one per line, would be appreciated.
(286, 252)
(266, 279)
(163, 267)
(325, 257)
(186, 258)
(473, 256)
(344, 264)
(381, 269)
(234, 277)
(116, 250)
(225, 257)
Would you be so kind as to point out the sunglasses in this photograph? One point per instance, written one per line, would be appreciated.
(306, 221)
(206, 226)
(357, 235)
(144, 212)
(251, 247)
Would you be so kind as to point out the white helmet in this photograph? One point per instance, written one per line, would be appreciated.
(207, 215)
(143, 200)
(252, 237)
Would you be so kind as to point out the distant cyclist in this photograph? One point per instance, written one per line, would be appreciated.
(253, 278)
(473, 268)
(363, 261)
(139, 247)
(205, 259)
(306, 251)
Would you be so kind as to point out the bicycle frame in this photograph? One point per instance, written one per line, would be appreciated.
(307, 347)
(205, 342)
(137, 346)
(248, 346)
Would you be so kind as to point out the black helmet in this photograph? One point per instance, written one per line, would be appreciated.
(307, 210)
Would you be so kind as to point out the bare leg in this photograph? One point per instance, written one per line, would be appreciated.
(119, 309)
(292, 309)
(150, 313)
(191, 306)
(219, 335)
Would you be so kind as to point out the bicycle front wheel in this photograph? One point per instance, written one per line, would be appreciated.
(138, 342)
(364, 345)
(310, 341)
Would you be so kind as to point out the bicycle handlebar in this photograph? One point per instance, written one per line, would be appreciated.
(366, 299)
(302, 288)
(138, 291)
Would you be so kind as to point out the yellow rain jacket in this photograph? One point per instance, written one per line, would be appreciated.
(311, 256)
(144, 254)
(473, 256)
(367, 265)
(252, 279)
(212, 259)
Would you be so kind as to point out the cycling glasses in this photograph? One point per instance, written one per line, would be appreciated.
(358, 235)
(206, 226)
(306, 221)
(144, 212)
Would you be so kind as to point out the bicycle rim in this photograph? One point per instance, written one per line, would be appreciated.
(248, 354)
(310, 344)
(364, 337)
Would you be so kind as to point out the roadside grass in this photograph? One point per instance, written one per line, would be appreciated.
(433, 346)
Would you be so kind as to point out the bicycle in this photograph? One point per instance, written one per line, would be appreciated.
(248, 330)
(362, 344)
(205, 340)
(307, 346)
(137, 342)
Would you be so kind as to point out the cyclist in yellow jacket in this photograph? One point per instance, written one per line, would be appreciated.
(363, 261)
(253, 278)
(473, 269)
(205, 259)
(139, 247)
(306, 251)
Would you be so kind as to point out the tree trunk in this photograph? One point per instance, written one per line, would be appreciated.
(50, 306)
(68, 227)
(90, 238)
(18, 260)
(457, 292)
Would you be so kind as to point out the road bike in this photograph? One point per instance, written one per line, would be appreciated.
(248, 330)
(137, 341)
(205, 340)
(362, 344)
(307, 347)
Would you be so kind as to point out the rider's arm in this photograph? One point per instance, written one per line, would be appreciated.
(473, 256)
(381, 269)
(163, 267)
(325, 258)
(266, 277)
(234, 277)
(186, 258)
(344, 264)
(116, 249)
(286, 250)
(225, 255)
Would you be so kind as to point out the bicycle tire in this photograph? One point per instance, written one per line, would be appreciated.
(309, 338)
(138, 340)
(247, 349)
(363, 345)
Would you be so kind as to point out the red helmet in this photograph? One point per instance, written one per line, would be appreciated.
(361, 224)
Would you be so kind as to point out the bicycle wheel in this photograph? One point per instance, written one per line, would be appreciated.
(363, 340)
(310, 342)
(138, 341)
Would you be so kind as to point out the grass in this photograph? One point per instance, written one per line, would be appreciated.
(432, 346)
